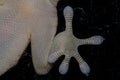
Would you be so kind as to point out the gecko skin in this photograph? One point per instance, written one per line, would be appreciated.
(22, 21)
(65, 43)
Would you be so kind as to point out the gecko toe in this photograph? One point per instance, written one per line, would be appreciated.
(85, 69)
(53, 57)
(97, 39)
(63, 69)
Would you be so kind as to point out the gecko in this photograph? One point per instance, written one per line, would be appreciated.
(35, 21)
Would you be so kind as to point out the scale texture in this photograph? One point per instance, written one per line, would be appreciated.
(22, 21)
(91, 17)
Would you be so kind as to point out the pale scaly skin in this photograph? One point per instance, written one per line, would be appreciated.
(65, 43)
(22, 21)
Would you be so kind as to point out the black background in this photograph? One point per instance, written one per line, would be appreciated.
(91, 17)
